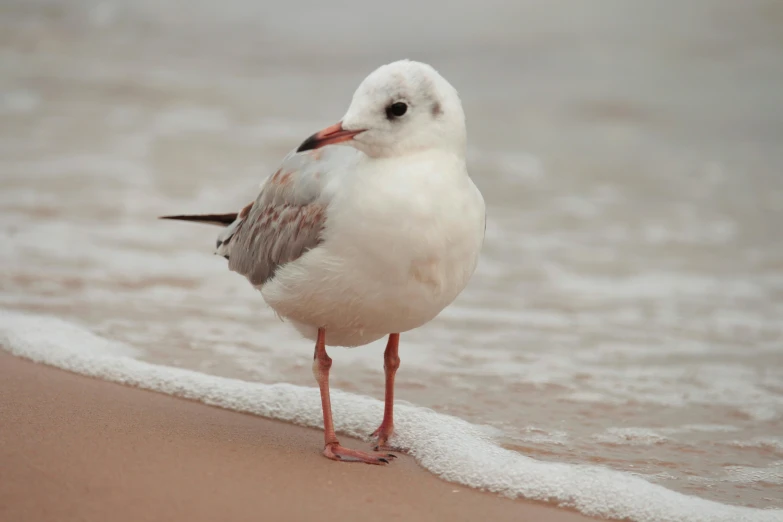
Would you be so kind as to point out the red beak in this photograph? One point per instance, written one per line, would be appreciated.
(328, 136)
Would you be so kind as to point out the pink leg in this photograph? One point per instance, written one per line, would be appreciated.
(391, 361)
(332, 449)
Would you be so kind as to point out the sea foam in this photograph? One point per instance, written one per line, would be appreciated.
(451, 448)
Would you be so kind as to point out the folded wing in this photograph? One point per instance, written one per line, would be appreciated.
(288, 216)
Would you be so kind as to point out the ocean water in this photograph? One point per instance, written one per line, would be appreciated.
(627, 313)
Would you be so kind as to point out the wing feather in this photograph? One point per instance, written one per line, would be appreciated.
(288, 216)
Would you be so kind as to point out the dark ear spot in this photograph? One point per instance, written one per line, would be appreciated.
(436, 109)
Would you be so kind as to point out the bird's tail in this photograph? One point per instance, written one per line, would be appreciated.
(222, 220)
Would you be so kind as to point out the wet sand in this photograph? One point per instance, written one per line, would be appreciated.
(74, 448)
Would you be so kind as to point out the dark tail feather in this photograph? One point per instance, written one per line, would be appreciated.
(222, 220)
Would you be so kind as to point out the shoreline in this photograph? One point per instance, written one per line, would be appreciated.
(78, 448)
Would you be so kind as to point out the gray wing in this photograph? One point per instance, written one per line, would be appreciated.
(287, 217)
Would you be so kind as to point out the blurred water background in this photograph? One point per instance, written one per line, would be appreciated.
(628, 308)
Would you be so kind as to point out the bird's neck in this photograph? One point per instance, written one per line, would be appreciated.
(422, 160)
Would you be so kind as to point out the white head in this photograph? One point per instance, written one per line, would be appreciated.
(400, 108)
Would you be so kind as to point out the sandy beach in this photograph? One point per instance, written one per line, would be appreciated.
(74, 448)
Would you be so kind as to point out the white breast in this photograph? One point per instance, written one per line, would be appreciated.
(400, 245)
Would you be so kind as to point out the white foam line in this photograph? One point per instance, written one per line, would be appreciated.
(449, 447)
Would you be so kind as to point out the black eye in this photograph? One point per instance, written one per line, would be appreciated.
(395, 110)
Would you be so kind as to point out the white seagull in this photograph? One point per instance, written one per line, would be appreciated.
(373, 238)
